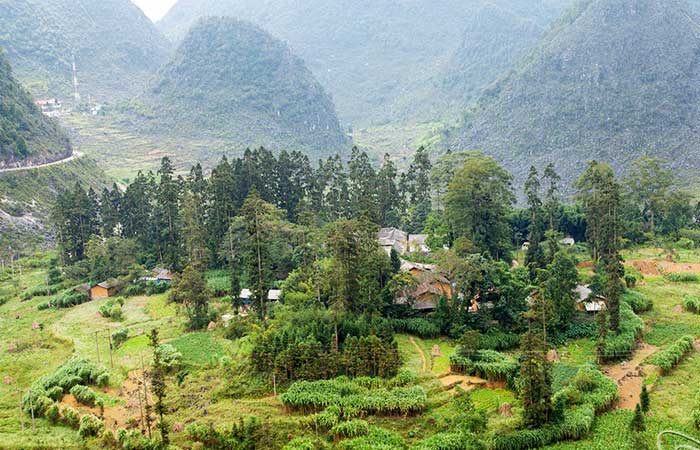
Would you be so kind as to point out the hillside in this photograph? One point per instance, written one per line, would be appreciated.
(26, 135)
(614, 80)
(230, 80)
(379, 59)
(116, 48)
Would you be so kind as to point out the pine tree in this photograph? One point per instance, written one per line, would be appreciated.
(168, 220)
(395, 261)
(537, 384)
(534, 257)
(158, 387)
(551, 202)
(644, 399)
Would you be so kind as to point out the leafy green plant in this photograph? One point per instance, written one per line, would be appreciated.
(351, 428)
(84, 394)
(691, 304)
(669, 358)
(119, 337)
(90, 426)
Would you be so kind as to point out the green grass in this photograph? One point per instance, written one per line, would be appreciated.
(199, 348)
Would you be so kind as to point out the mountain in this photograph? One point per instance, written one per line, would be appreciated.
(378, 58)
(27, 136)
(231, 81)
(116, 48)
(615, 79)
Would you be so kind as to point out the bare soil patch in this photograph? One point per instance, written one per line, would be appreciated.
(629, 376)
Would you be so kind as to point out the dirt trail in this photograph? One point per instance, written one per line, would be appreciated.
(70, 158)
(420, 352)
(655, 268)
(629, 376)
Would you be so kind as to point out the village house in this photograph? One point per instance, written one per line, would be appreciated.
(432, 285)
(50, 107)
(104, 290)
(402, 242)
(158, 276)
(587, 302)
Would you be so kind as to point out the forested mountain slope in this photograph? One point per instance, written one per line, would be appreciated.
(116, 48)
(229, 80)
(614, 80)
(26, 135)
(380, 59)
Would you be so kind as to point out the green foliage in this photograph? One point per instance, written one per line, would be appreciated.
(70, 374)
(90, 426)
(639, 302)
(40, 291)
(351, 429)
(376, 439)
(691, 304)
(353, 399)
(669, 358)
(67, 299)
(488, 364)
(84, 394)
(112, 309)
(169, 356)
(70, 417)
(620, 346)
(423, 328)
(450, 441)
(119, 337)
(242, 435)
(681, 277)
(24, 131)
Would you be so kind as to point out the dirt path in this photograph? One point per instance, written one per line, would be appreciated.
(75, 155)
(629, 376)
(421, 353)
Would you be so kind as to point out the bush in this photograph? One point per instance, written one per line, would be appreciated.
(67, 299)
(153, 288)
(52, 414)
(488, 364)
(376, 439)
(74, 372)
(581, 329)
(84, 395)
(134, 289)
(639, 302)
(170, 357)
(669, 358)
(417, 326)
(352, 399)
(55, 393)
(40, 291)
(112, 309)
(691, 304)
(351, 428)
(71, 417)
(620, 346)
(681, 277)
(90, 426)
(119, 337)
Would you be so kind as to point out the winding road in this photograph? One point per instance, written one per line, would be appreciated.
(76, 154)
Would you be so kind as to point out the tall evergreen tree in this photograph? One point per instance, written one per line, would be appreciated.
(551, 199)
(536, 382)
(167, 216)
(534, 256)
(158, 386)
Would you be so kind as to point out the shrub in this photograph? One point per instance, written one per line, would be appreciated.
(376, 439)
(55, 393)
(302, 444)
(489, 364)
(328, 418)
(620, 346)
(631, 281)
(74, 372)
(102, 380)
(84, 395)
(119, 337)
(169, 356)
(134, 289)
(581, 329)
(416, 326)
(40, 291)
(52, 414)
(112, 309)
(669, 358)
(90, 426)
(691, 304)
(70, 417)
(153, 288)
(639, 302)
(351, 428)
(67, 299)
(681, 277)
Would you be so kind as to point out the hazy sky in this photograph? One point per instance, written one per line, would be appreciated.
(155, 9)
